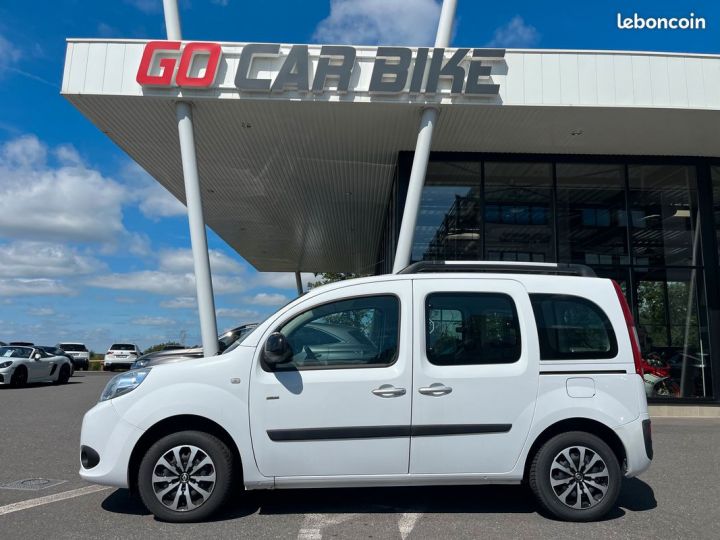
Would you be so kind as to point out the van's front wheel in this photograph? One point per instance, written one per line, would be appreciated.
(576, 477)
(185, 476)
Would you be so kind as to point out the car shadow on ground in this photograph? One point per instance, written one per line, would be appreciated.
(635, 496)
(7, 387)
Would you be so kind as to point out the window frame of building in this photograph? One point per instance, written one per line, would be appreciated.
(629, 270)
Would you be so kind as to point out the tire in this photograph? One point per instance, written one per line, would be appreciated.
(64, 375)
(561, 500)
(19, 377)
(203, 502)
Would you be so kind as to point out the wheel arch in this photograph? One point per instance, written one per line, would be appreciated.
(173, 424)
(587, 425)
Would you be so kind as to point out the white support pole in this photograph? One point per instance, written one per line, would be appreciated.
(172, 20)
(298, 284)
(403, 251)
(193, 197)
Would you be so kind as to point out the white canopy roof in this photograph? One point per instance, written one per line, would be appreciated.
(301, 181)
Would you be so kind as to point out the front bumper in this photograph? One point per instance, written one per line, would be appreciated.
(633, 437)
(5, 375)
(113, 439)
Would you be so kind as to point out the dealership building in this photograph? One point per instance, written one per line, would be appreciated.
(309, 158)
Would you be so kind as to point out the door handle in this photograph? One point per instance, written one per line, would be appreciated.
(435, 389)
(388, 390)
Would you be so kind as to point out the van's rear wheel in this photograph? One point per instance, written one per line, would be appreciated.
(185, 476)
(576, 476)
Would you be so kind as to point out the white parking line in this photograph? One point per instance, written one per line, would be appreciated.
(407, 522)
(313, 525)
(32, 503)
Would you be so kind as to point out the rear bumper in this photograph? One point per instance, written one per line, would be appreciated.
(635, 436)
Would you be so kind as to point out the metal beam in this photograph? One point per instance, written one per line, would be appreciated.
(193, 197)
(422, 153)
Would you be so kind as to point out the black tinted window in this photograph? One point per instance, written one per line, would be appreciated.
(572, 328)
(471, 328)
(359, 332)
(122, 347)
(73, 347)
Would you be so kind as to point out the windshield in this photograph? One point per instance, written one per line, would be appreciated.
(73, 347)
(15, 352)
(122, 347)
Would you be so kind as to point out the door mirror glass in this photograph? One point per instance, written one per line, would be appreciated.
(277, 349)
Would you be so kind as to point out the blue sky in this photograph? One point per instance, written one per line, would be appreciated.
(92, 249)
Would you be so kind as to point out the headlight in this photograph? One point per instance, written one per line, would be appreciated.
(124, 383)
(6, 364)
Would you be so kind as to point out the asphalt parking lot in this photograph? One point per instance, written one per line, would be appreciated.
(39, 434)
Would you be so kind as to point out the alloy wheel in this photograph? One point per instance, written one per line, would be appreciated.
(183, 478)
(579, 477)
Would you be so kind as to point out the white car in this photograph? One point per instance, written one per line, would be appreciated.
(121, 355)
(467, 374)
(22, 365)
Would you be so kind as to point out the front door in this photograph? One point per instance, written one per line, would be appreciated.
(341, 406)
(476, 375)
(39, 369)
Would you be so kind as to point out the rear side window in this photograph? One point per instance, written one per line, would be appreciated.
(572, 328)
(471, 329)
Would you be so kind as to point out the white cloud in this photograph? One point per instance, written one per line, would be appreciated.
(70, 202)
(146, 6)
(9, 54)
(281, 280)
(153, 321)
(26, 259)
(386, 22)
(181, 260)
(515, 34)
(41, 312)
(151, 197)
(33, 287)
(160, 282)
(238, 314)
(268, 299)
(182, 302)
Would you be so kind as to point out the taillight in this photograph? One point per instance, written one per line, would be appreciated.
(632, 331)
(109, 352)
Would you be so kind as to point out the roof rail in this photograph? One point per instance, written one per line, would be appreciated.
(499, 267)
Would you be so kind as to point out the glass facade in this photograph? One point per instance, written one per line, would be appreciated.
(637, 223)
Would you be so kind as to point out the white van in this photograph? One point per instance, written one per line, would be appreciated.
(447, 373)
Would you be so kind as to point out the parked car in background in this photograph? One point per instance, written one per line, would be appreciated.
(20, 365)
(56, 351)
(78, 352)
(225, 341)
(120, 355)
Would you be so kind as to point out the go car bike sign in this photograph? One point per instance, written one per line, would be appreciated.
(395, 70)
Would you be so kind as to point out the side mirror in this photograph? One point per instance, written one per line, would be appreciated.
(37, 356)
(277, 350)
